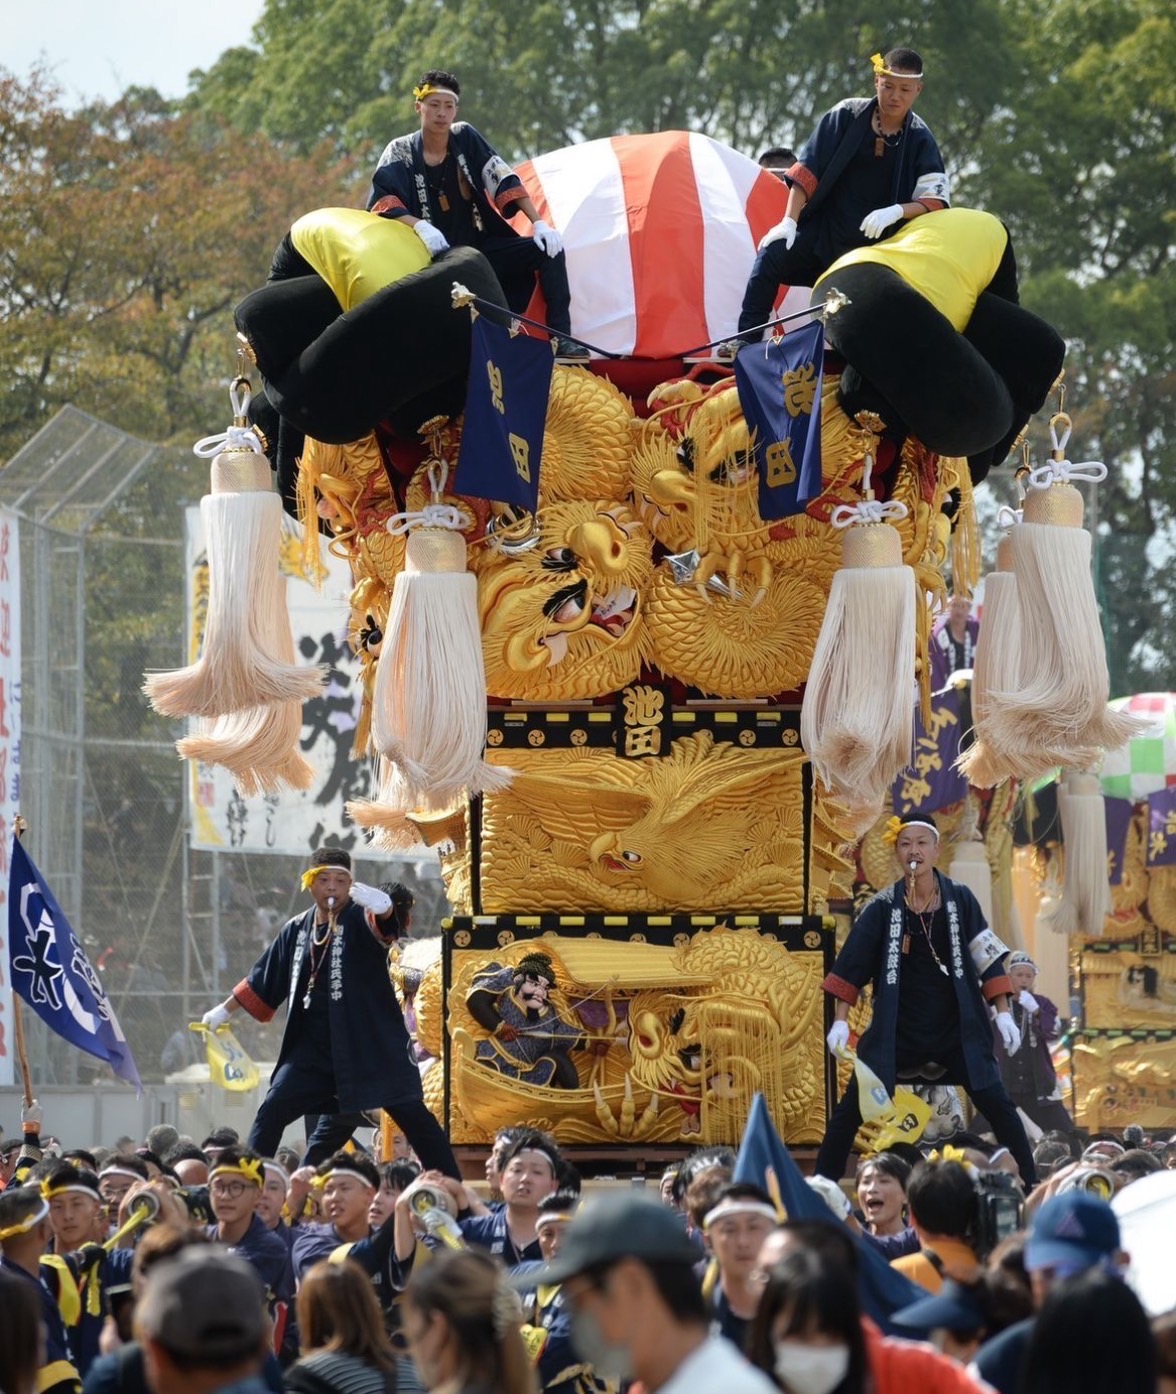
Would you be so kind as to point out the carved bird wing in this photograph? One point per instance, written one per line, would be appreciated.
(573, 809)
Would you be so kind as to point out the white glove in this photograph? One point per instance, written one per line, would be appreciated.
(832, 1194)
(371, 898)
(785, 229)
(217, 1016)
(31, 1116)
(1028, 1001)
(1008, 1032)
(547, 237)
(433, 238)
(838, 1037)
(875, 224)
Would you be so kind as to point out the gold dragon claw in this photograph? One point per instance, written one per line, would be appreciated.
(628, 1125)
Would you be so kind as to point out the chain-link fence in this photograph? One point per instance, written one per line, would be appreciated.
(170, 928)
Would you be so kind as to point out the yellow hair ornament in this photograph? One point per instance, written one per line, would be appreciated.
(891, 831)
(954, 1154)
(429, 89)
(251, 1170)
(879, 63)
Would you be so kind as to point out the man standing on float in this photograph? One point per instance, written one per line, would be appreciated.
(870, 165)
(345, 1048)
(934, 965)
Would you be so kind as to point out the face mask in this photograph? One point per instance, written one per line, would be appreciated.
(809, 1369)
(613, 1362)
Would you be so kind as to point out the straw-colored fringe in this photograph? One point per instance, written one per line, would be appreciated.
(1086, 894)
(857, 719)
(243, 662)
(995, 669)
(259, 747)
(1058, 708)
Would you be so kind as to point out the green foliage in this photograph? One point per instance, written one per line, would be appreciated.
(129, 231)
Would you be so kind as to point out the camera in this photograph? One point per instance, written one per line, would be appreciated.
(1000, 1210)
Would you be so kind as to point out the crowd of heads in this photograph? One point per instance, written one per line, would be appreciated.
(633, 1269)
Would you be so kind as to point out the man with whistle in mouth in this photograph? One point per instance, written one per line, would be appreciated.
(935, 966)
(345, 1048)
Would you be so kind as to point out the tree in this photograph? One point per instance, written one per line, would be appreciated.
(128, 232)
(1081, 167)
(541, 74)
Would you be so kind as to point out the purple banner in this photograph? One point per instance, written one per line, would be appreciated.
(1161, 827)
(1118, 815)
(931, 782)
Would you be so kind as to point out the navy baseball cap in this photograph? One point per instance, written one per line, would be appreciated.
(1074, 1229)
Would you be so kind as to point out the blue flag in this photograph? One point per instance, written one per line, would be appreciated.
(764, 1161)
(51, 972)
(780, 392)
(505, 416)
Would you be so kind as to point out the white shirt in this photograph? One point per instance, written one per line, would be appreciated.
(717, 1365)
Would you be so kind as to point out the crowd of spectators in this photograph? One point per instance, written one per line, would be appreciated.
(177, 1266)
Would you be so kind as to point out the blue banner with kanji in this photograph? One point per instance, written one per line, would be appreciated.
(1118, 818)
(50, 971)
(779, 384)
(931, 781)
(1161, 827)
(505, 416)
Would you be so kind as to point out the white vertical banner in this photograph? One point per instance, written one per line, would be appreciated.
(9, 764)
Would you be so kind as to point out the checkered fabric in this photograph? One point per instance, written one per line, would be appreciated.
(1146, 764)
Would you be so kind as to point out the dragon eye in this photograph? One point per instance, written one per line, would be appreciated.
(686, 455)
(631, 857)
(560, 559)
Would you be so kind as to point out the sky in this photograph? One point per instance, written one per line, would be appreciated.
(99, 48)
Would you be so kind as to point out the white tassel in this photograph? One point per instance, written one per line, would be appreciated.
(429, 698)
(258, 746)
(1086, 893)
(996, 668)
(243, 661)
(857, 718)
(1057, 712)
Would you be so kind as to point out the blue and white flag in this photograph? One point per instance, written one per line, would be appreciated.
(505, 416)
(766, 1162)
(50, 971)
(779, 385)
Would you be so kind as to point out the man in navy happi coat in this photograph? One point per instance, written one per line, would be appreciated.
(870, 165)
(934, 965)
(345, 1047)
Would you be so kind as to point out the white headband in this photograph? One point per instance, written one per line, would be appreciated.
(732, 1205)
(119, 1171)
(554, 1217)
(919, 823)
(279, 1171)
(344, 1170)
(23, 1226)
(73, 1188)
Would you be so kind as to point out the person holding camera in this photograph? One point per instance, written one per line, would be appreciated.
(1073, 1233)
(944, 1214)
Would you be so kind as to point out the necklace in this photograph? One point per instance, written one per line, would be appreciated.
(882, 141)
(925, 918)
(317, 954)
(437, 187)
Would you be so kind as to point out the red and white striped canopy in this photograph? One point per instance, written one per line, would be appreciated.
(660, 233)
